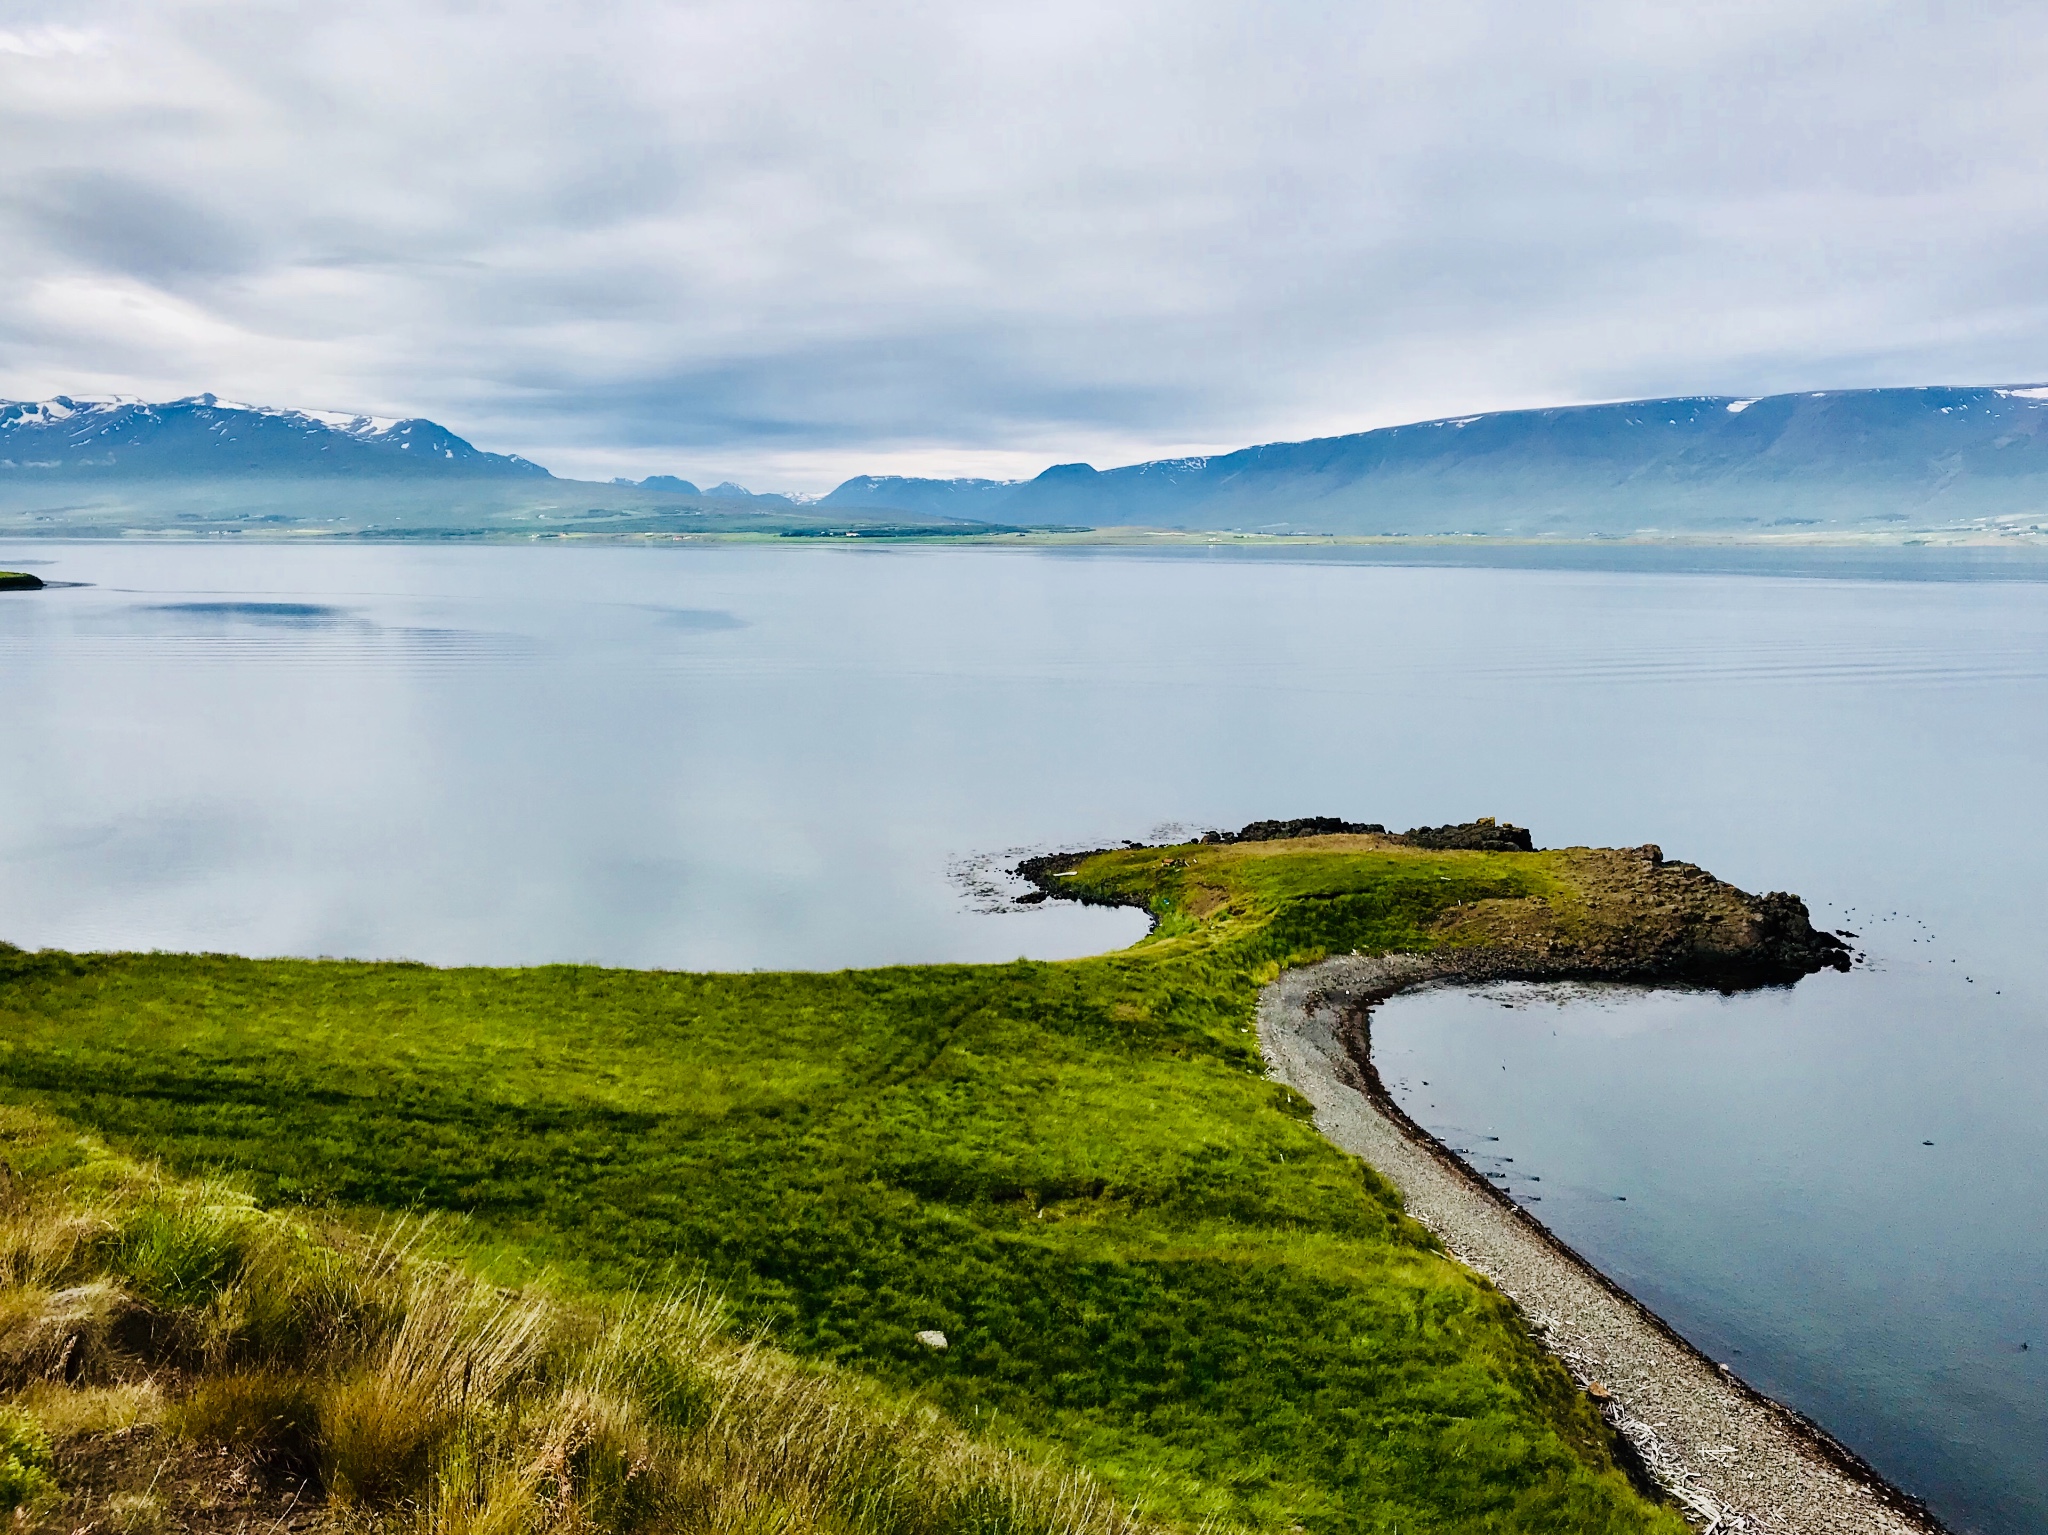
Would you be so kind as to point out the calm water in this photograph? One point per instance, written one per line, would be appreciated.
(788, 757)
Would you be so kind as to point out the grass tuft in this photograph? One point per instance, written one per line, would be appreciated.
(24, 1461)
(410, 1394)
(270, 1417)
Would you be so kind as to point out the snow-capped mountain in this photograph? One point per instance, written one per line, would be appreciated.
(203, 436)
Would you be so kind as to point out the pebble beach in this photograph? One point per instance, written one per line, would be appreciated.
(1728, 1457)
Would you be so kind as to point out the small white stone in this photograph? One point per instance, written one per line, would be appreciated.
(932, 1338)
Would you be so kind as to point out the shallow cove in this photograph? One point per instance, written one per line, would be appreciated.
(1753, 1168)
(510, 755)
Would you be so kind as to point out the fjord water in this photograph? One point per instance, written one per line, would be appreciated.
(793, 756)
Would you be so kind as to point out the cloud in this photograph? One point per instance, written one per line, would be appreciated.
(117, 221)
(789, 241)
(49, 42)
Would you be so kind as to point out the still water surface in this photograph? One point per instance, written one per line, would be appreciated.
(787, 757)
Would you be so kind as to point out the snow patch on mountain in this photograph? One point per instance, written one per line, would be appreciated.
(203, 434)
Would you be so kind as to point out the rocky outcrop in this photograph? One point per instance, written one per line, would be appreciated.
(1625, 914)
(1306, 826)
(1048, 873)
(1484, 835)
(1618, 914)
(19, 581)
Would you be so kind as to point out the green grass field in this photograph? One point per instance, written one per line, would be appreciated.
(1142, 1253)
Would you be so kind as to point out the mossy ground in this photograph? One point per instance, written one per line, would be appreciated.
(1140, 1249)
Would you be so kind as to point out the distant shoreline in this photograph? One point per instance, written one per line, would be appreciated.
(1848, 559)
(2022, 541)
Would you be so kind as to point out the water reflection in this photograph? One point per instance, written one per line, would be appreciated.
(724, 758)
(1821, 1186)
(289, 614)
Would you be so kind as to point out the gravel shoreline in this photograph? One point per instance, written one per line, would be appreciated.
(1730, 1457)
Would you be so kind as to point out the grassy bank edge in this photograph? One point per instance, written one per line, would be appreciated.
(1177, 998)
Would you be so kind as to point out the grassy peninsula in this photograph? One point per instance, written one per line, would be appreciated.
(1147, 1264)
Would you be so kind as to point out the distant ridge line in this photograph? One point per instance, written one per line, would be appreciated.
(1927, 457)
(1860, 457)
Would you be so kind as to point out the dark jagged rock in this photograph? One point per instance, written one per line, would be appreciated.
(1047, 874)
(1788, 939)
(1484, 835)
(1306, 826)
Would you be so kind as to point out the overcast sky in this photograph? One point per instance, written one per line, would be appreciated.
(787, 242)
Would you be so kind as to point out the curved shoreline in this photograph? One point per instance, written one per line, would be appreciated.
(1730, 1456)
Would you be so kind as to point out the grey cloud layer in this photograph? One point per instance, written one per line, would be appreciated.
(796, 240)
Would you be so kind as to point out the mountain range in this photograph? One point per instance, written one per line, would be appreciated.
(206, 465)
(1867, 457)
(1844, 459)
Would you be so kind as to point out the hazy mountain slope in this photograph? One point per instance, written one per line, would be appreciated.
(1858, 457)
(204, 465)
(942, 498)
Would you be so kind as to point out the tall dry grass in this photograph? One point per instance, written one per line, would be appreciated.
(411, 1395)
